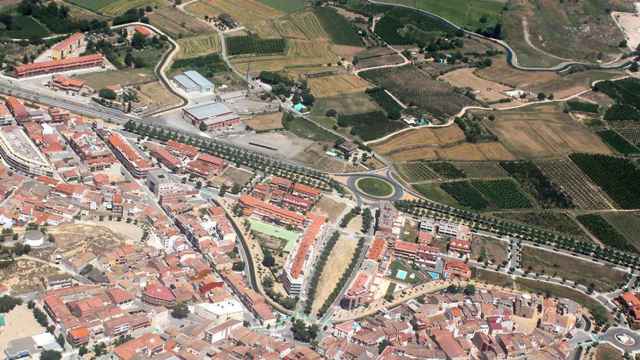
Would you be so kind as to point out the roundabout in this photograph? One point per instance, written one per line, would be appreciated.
(375, 187)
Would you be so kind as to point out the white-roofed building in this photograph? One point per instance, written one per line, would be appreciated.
(185, 83)
(213, 115)
(203, 83)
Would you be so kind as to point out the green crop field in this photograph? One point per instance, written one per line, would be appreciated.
(25, 27)
(532, 180)
(93, 5)
(285, 5)
(242, 45)
(617, 177)
(503, 194)
(338, 27)
(470, 14)
(601, 229)
(434, 192)
(306, 129)
(416, 171)
(401, 26)
(617, 142)
(582, 106)
(447, 170)
(626, 94)
(369, 126)
(207, 65)
(465, 194)
(627, 224)
(390, 106)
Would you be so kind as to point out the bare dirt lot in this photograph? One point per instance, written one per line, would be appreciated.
(21, 323)
(74, 238)
(630, 24)
(265, 122)
(543, 131)
(489, 91)
(24, 276)
(331, 208)
(338, 260)
(156, 97)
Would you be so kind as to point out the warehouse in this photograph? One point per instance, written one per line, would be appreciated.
(192, 81)
(214, 115)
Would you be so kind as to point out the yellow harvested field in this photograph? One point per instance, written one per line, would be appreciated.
(247, 12)
(543, 131)
(300, 53)
(265, 122)
(486, 90)
(475, 152)
(176, 23)
(335, 85)
(198, 46)
(503, 73)
(339, 259)
(420, 137)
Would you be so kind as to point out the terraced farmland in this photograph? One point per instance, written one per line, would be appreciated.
(198, 46)
(584, 194)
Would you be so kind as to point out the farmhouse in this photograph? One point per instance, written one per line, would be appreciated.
(213, 115)
(66, 47)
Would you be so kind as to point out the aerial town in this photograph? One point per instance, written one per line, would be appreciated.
(295, 179)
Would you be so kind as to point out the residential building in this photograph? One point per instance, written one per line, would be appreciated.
(66, 64)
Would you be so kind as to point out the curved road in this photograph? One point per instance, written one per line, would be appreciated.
(512, 57)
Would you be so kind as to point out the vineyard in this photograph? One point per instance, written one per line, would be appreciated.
(446, 170)
(575, 183)
(581, 106)
(390, 106)
(503, 194)
(534, 182)
(617, 142)
(626, 94)
(465, 194)
(617, 177)
(632, 134)
(242, 45)
(369, 126)
(198, 45)
(601, 229)
(340, 30)
(416, 171)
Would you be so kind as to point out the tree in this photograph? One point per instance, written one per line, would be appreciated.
(107, 94)
(7, 303)
(541, 96)
(138, 41)
(470, 290)
(60, 340)
(383, 345)
(202, 127)
(83, 350)
(180, 311)
(128, 59)
(268, 260)
(50, 355)
(633, 67)
(100, 349)
(237, 266)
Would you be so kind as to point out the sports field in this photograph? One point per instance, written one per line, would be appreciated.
(275, 231)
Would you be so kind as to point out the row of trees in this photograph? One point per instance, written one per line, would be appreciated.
(367, 220)
(343, 279)
(349, 216)
(319, 266)
(239, 156)
(424, 208)
(287, 302)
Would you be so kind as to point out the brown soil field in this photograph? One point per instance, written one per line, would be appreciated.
(339, 259)
(505, 74)
(99, 80)
(246, 12)
(486, 90)
(543, 131)
(572, 84)
(238, 176)
(331, 208)
(265, 122)
(345, 51)
(420, 138)
(335, 85)
(156, 96)
(177, 23)
(439, 144)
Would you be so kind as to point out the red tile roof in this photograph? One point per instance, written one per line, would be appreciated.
(158, 291)
(406, 246)
(306, 189)
(308, 239)
(64, 44)
(56, 64)
(250, 201)
(376, 249)
(118, 142)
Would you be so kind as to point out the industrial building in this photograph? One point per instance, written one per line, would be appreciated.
(192, 81)
(213, 115)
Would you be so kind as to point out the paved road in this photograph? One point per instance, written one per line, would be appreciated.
(512, 57)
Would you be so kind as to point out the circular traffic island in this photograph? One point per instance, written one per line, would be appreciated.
(375, 187)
